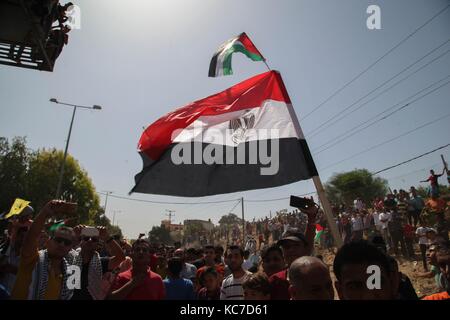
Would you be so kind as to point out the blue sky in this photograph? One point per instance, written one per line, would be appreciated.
(141, 59)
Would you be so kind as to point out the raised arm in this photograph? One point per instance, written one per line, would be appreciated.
(30, 244)
(310, 232)
(127, 288)
(113, 248)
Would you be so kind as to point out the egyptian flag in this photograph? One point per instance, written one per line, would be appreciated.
(246, 137)
(221, 61)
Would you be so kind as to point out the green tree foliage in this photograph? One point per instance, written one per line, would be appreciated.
(347, 186)
(14, 158)
(230, 219)
(33, 175)
(159, 234)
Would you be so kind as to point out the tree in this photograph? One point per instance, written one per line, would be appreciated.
(14, 158)
(347, 186)
(230, 219)
(160, 234)
(33, 175)
(77, 186)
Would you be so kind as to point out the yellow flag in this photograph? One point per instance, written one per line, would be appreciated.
(17, 207)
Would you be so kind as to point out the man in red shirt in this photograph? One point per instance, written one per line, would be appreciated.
(434, 185)
(294, 245)
(139, 282)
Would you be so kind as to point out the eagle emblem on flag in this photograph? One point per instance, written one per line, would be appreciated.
(240, 126)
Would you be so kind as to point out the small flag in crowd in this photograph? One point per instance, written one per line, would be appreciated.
(17, 207)
(319, 232)
(246, 137)
(221, 61)
(56, 225)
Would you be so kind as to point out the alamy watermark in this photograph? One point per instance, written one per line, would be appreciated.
(73, 277)
(240, 144)
(374, 20)
(374, 280)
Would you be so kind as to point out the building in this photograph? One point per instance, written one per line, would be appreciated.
(207, 225)
(171, 226)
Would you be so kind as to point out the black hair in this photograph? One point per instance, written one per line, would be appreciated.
(233, 247)
(378, 242)
(139, 241)
(191, 251)
(393, 263)
(273, 247)
(359, 252)
(209, 246)
(210, 270)
(258, 282)
(219, 248)
(175, 265)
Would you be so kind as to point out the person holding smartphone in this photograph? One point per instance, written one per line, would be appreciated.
(43, 274)
(92, 266)
(294, 245)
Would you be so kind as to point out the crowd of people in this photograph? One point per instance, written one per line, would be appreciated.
(278, 262)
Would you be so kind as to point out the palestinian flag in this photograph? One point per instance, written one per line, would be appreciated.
(221, 61)
(246, 137)
(319, 232)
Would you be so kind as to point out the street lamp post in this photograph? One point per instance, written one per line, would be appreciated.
(61, 172)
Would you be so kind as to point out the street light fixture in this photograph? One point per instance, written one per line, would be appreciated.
(61, 173)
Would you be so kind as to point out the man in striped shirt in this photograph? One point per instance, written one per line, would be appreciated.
(232, 285)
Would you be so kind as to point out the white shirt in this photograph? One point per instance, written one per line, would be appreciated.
(359, 204)
(189, 271)
(357, 223)
(422, 233)
(247, 264)
(232, 287)
(376, 218)
(384, 216)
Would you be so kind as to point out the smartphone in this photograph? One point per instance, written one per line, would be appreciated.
(301, 203)
(67, 209)
(89, 232)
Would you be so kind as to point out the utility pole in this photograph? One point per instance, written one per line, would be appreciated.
(170, 215)
(107, 193)
(61, 172)
(243, 223)
(114, 216)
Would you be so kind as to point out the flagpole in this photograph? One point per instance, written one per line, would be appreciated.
(266, 64)
(327, 210)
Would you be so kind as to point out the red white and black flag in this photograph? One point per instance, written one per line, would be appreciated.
(246, 137)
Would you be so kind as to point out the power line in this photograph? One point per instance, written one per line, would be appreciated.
(412, 159)
(415, 171)
(278, 199)
(384, 117)
(387, 141)
(374, 63)
(234, 207)
(340, 114)
(166, 202)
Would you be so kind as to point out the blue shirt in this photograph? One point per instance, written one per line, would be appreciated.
(179, 289)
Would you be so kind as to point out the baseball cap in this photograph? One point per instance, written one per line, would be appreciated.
(292, 236)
